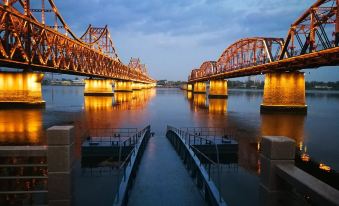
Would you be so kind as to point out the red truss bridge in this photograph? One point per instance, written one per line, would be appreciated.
(35, 37)
(312, 41)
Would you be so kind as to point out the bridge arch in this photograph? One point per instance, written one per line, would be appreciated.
(249, 52)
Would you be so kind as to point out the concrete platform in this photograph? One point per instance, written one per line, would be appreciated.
(162, 178)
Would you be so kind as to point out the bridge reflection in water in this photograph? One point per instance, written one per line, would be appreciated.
(201, 102)
(21, 127)
(217, 106)
(289, 125)
(99, 110)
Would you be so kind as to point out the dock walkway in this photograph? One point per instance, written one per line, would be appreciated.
(162, 178)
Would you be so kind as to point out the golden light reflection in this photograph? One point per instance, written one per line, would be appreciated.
(199, 101)
(21, 126)
(217, 106)
(98, 103)
(20, 87)
(284, 89)
(98, 86)
(289, 125)
(133, 100)
(305, 157)
(189, 95)
(120, 97)
(324, 167)
(111, 112)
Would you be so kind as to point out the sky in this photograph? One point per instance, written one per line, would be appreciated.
(174, 36)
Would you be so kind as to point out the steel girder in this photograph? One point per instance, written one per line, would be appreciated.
(28, 42)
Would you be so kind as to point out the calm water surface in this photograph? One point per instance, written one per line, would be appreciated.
(316, 133)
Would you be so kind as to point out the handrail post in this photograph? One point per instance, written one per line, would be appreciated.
(275, 150)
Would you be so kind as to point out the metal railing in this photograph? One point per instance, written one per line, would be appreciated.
(113, 135)
(208, 135)
(182, 141)
(128, 166)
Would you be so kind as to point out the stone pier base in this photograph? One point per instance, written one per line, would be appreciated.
(123, 86)
(189, 87)
(218, 89)
(98, 87)
(285, 92)
(137, 86)
(199, 87)
(21, 89)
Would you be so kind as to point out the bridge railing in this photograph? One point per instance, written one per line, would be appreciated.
(115, 136)
(182, 142)
(128, 166)
(208, 135)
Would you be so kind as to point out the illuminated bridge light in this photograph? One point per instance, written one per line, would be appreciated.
(21, 88)
(98, 87)
(284, 91)
(199, 87)
(324, 167)
(218, 89)
(123, 86)
(305, 157)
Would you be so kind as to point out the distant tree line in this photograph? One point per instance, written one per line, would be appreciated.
(260, 85)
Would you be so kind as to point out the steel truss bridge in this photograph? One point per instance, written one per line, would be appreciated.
(34, 36)
(312, 41)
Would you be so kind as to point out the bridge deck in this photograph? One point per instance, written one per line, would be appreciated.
(162, 178)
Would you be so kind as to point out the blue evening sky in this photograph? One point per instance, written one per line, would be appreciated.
(174, 36)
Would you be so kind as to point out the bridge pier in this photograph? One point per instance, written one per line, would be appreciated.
(218, 89)
(21, 89)
(189, 87)
(123, 86)
(98, 87)
(137, 86)
(284, 91)
(199, 87)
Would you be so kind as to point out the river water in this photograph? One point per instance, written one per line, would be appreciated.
(316, 133)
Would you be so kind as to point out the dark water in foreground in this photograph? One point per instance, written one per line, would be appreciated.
(316, 133)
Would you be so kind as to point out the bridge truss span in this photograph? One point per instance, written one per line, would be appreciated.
(39, 43)
(312, 41)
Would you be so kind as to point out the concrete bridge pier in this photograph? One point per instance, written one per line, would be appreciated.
(21, 89)
(284, 91)
(98, 87)
(189, 87)
(218, 89)
(137, 86)
(123, 86)
(199, 87)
